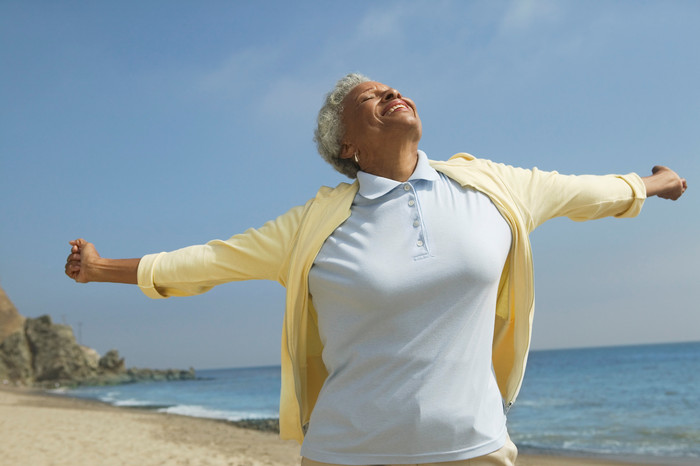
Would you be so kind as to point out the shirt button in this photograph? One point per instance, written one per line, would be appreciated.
(416, 223)
(407, 187)
(419, 243)
(411, 203)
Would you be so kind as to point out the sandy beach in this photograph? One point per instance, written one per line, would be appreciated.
(39, 429)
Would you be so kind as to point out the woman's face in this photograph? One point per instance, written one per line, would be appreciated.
(375, 114)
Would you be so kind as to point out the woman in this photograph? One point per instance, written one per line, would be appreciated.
(409, 292)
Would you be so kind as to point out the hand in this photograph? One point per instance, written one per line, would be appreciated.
(83, 255)
(665, 183)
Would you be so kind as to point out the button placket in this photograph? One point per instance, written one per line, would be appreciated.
(420, 241)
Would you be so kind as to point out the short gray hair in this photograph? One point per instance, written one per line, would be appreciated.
(330, 130)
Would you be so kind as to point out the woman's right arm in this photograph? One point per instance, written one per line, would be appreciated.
(256, 254)
(85, 265)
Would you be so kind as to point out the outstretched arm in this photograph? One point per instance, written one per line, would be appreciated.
(85, 265)
(665, 183)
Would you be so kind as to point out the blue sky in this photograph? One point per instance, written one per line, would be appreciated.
(148, 126)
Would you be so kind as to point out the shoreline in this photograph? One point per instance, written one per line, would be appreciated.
(44, 428)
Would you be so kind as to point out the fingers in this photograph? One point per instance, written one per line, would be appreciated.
(673, 186)
(80, 242)
(73, 261)
(72, 266)
(72, 270)
(676, 192)
(682, 186)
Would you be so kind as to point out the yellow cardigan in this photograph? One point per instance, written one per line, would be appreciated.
(284, 250)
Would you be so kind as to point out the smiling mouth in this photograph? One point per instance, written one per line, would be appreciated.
(396, 107)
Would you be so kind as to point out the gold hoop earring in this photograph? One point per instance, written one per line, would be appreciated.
(357, 160)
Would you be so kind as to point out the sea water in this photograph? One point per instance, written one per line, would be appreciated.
(627, 401)
(229, 394)
(640, 401)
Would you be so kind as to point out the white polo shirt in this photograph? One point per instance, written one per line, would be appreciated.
(405, 292)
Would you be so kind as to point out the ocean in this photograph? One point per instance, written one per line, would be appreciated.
(626, 401)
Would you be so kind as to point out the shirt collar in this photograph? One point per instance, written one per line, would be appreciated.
(373, 186)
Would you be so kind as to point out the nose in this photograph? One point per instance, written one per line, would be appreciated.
(391, 94)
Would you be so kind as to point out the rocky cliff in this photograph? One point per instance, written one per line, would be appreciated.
(39, 352)
(10, 320)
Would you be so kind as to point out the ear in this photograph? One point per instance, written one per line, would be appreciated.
(347, 151)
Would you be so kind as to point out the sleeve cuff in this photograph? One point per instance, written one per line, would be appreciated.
(639, 194)
(145, 275)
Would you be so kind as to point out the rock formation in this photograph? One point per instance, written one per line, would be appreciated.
(10, 320)
(41, 353)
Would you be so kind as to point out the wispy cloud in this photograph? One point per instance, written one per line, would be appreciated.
(291, 98)
(239, 72)
(522, 15)
(385, 24)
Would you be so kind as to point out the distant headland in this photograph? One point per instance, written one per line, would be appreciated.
(35, 352)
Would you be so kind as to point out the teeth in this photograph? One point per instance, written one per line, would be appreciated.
(391, 110)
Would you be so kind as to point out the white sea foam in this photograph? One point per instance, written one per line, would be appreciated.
(132, 403)
(110, 397)
(203, 412)
(58, 391)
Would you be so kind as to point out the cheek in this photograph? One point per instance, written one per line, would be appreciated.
(357, 126)
(348, 121)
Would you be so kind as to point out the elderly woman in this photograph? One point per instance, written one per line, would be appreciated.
(409, 292)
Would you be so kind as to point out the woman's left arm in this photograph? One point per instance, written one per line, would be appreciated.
(664, 183)
(544, 195)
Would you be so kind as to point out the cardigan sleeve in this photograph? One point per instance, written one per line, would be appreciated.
(542, 195)
(255, 254)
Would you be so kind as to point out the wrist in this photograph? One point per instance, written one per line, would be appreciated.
(114, 270)
(654, 184)
(95, 269)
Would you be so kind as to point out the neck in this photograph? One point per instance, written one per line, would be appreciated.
(396, 163)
